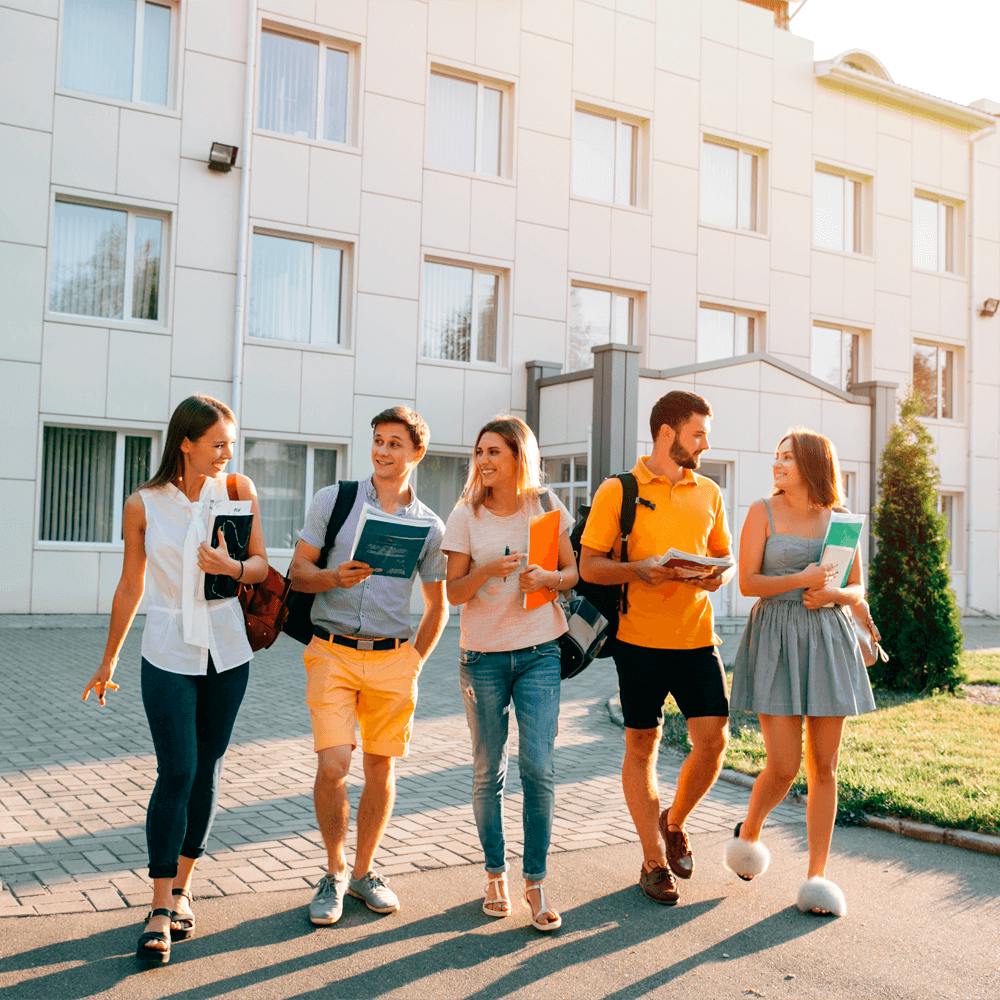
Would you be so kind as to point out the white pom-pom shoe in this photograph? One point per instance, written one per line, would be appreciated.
(746, 858)
(821, 896)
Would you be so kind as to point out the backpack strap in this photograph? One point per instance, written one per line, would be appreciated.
(545, 499)
(347, 493)
(630, 495)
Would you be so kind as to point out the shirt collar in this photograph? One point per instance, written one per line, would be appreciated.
(372, 496)
(644, 475)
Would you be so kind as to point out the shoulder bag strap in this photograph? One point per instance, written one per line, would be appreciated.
(630, 494)
(347, 493)
(231, 488)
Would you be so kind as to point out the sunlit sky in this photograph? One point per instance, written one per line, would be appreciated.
(949, 48)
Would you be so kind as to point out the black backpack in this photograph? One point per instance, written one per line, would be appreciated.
(298, 624)
(611, 599)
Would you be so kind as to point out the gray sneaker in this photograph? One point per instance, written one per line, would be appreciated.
(377, 895)
(327, 906)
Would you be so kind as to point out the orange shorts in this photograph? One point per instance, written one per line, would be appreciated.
(371, 690)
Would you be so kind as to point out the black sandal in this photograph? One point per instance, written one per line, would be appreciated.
(153, 956)
(186, 920)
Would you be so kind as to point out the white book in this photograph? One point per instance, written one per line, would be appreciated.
(695, 567)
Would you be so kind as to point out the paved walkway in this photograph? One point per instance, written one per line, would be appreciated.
(75, 779)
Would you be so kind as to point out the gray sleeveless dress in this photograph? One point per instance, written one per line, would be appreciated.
(793, 661)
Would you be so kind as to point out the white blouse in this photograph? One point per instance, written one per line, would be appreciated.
(182, 628)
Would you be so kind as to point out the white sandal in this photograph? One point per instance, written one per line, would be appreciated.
(543, 908)
(496, 900)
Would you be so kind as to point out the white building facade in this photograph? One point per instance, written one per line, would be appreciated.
(449, 204)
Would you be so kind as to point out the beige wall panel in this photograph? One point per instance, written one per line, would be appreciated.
(668, 352)
(737, 421)
(326, 404)
(492, 229)
(635, 56)
(861, 133)
(149, 148)
(890, 347)
(716, 261)
(892, 121)
(675, 207)
(543, 172)
(893, 255)
(548, 17)
(954, 307)
(108, 574)
(678, 37)
(925, 300)
(279, 181)
(218, 28)
(85, 144)
(24, 185)
(533, 340)
(755, 28)
(675, 124)
(389, 247)
(893, 190)
(789, 319)
(17, 517)
(775, 381)
(213, 102)
(754, 98)
(540, 272)
(203, 321)
(983, 561)
(719, 87)
(778, 413)
(986, 218)
(394, 140)
(451, 29)
(487, 394)
(396, 58)
(441, 401)
(446, 211)
(22, 292)
(794, 81)
(720, 20)
(207, 222)
(181, 388)
(498, 35)
(746, 376)
(985, 440)
(954, 161)
(848, 425)
(74, 369)
(594, 50)
(64, 582)
(138, 376)
(827, 283)
(27, 70)
(926, 147)
(386, 347)
(638, 8)
(952, 455)
(589, 238)
(673, 305)
(546, 85)
(553, 417)
(829, 124)
(334, 190)
(271, 388)
(343, 15)
(859, 291)
(791, 157)
(630, 245)
(754, 477)
(791, 232)
(19, 392)
(752, 273)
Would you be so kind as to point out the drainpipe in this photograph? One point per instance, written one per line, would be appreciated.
(243, 236)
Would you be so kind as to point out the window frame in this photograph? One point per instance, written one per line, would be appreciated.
(859, 217)
(755, 332)
(955, 526)
(135, 98)
(957, 401)
(949, 234)
(574, 484)
(117, 487)
(439, 452)
(758, 185)
(323, 41)
(858, 351)
(638, 193)
(502, 274)
(637, 300)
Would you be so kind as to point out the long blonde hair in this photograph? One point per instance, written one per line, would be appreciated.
(816, 458)
(519, 438)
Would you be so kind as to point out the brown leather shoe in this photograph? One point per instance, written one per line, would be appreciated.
(659, 885)
(679, 855)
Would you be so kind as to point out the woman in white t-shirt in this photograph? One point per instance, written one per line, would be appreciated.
(195, 653)
(509, 654)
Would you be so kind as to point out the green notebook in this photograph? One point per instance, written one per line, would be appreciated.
(842, 536)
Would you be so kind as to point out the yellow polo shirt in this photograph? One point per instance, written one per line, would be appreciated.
(690, 516)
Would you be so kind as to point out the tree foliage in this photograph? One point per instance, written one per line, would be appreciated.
(910, 587)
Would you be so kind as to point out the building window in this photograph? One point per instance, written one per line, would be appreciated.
(296, 291)
(934, 378)
(950, 507)
(728, 186)
(849, 488)
(117, 48)
(465, 125)
(836, 212)
(933, 234)
(440, 481)
(106, 262)
(605, 158)
(87, 474)
(598, 316)
(287, 474)
(568, 478)
(725, 333)
(304, 87)
(461, 310)
(835, 355)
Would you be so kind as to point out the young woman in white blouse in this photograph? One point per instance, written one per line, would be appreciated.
(195, 654)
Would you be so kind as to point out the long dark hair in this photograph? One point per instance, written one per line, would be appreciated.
(190, 420)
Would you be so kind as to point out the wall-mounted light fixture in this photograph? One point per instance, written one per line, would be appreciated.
(989, 307)
(222, 157)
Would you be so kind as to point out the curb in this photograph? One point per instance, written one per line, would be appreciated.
(969, 840)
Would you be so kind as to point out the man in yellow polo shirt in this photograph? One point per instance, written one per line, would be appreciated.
(666, 643)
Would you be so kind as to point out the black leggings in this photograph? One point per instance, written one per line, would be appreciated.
(191, 720)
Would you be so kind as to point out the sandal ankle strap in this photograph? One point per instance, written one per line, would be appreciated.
(160, 911)
(182, 892)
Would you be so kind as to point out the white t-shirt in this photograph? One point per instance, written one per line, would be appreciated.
(493, 619)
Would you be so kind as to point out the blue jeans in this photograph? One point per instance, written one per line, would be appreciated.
(529, 678)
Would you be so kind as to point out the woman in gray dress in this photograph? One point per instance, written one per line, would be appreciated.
(798, 658)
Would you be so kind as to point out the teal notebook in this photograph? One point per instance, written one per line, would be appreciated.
(391, 545)
(842, 536)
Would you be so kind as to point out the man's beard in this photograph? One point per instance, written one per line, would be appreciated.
(683, 457)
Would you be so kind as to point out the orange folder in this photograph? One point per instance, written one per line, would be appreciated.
(543, 550)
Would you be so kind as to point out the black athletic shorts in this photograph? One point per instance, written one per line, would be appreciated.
(695, 677)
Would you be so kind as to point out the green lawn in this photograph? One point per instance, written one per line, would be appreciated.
(981, 668)
(934, 759)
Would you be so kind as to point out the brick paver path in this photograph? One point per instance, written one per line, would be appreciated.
(75, 779)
